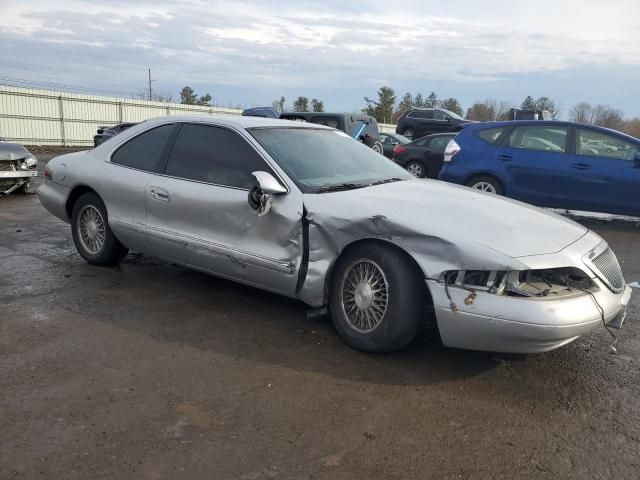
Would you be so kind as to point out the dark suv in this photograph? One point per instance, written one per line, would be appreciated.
(419, 122)
(359, 126)
(105, 133)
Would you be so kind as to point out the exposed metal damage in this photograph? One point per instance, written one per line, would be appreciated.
(17, 168)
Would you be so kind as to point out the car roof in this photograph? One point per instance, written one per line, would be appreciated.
(236, 121)
(557, 123)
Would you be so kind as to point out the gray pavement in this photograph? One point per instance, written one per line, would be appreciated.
(149, 370)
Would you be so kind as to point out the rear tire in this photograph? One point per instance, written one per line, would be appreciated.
(377, 298)
(377, 147)
(92, 235)
(416, 169)
(409, 133)
(486, 183)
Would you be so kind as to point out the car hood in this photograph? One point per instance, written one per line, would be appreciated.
(13, 151)
(454, 215)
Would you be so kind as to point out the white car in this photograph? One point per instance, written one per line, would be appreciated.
(305, 211)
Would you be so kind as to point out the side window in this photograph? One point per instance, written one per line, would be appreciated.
(423, 114)
(438, 115)
(214, 155)
(439, 143)
(422, 142)
(598, 144)
(490, 135)
(544, 138)
(144, 151)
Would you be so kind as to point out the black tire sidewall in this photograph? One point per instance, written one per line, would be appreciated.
(112, 250)
(413, 133)
(406, 299)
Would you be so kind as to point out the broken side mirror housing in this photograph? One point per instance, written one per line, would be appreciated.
(269, 184)
(261, 196)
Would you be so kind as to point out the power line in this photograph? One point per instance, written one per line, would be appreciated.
(22, 82)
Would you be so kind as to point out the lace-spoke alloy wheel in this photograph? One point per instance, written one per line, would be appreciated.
(91, 229)
(364, 295)
(377, 297)
(92, 235)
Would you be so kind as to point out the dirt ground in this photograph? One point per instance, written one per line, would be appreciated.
(152, 371)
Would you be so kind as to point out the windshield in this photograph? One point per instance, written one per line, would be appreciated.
(320, 159)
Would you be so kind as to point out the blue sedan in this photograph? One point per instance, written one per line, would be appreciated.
(550, 164)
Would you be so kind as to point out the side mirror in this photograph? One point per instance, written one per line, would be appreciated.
(261, 197)
(636, 160)
(268, 184)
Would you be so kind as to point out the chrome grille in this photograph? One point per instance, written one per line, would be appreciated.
(607, 264)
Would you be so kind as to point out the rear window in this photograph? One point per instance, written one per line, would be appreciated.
(143, 152)
(490, 135)
(327, 121)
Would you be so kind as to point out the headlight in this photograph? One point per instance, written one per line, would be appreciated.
(525, 283)
(31, 162)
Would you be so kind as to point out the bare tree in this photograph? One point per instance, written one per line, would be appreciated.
(581, 113)
(165, 97)
(280, 104)
(601, 115)
(606, 116)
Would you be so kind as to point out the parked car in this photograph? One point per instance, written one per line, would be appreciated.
(549, 163)
(389, 142)
(17, 168)
(419, 122)
(528, 114)
(307, 212)
(359, 126)
(105, 133)
(266, 112)
(423, 157)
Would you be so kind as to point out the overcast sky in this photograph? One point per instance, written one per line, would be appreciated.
(251, 52)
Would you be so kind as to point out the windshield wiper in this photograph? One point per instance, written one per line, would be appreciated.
(338, 187)
(387, 180)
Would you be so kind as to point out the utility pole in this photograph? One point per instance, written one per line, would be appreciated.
(149, 84)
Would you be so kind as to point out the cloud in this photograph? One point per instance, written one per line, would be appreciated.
(312, 45)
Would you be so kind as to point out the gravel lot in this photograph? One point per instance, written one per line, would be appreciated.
(152, 371)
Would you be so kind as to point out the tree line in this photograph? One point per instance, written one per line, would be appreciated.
(385, 109)
(300, 104)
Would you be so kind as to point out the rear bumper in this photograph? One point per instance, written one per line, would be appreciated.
(520, 325)
(53, 197)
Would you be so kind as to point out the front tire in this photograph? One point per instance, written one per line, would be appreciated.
(92, 235)
(377, 147)
(377, 298)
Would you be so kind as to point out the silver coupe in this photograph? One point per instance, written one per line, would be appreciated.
(305, 211)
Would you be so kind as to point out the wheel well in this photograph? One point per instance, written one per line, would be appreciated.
(357, 243)
(75, 194)
(482, 174)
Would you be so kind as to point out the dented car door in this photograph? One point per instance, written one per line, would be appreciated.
(198, 213)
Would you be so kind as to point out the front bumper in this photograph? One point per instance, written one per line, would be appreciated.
(517, 324)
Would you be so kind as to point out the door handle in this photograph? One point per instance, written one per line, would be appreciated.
(505, 158)
(581, 166)
(159, 194)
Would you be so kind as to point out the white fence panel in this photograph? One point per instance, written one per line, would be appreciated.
(46, 117)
